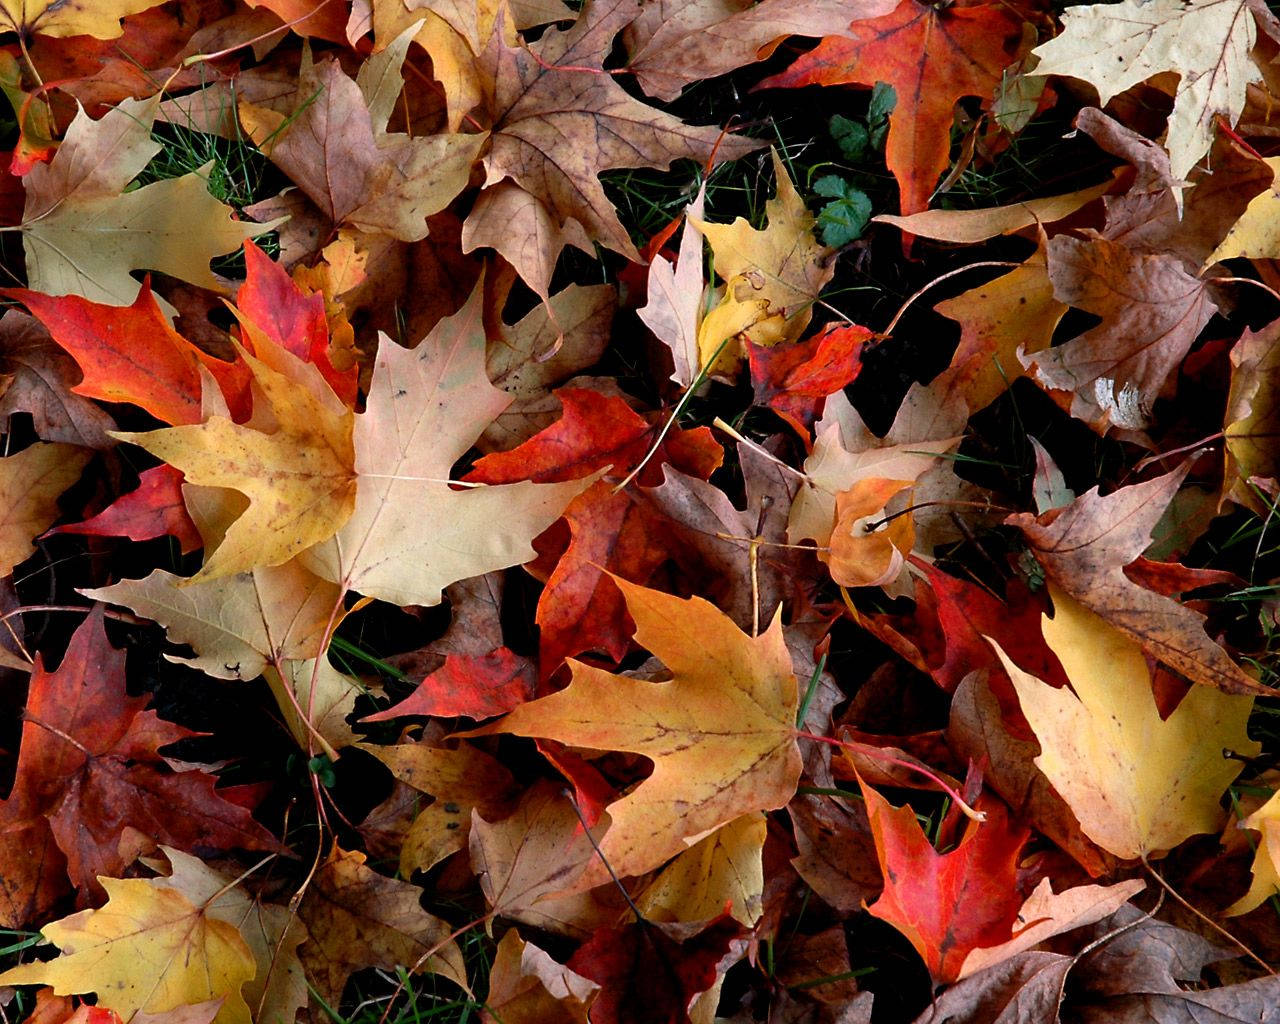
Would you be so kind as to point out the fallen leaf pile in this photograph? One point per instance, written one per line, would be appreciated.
(639, 511)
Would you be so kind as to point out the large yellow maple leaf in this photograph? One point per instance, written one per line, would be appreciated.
(720, 733)
(150, 950)
(1138, 784)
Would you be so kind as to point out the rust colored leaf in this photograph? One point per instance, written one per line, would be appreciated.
(932, 57)
(946, 904)
(154, 508)
(89, 765)
(131, 354)
(650, 973)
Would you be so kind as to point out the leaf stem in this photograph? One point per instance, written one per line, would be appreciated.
(876, 754)
(1207, 919)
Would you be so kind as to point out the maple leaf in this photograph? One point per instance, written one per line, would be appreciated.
(37, 377)
(1253, 235)
(453, 33)
(439, 391)
(541, 187)
(278, 988)
(357, 918)
(793, 380)
(651, 973)
(89, 764)
(1001, 322)
(722, 873)
(30, 483)
(968, 226)
(1045, 914)
(721, 732)
(459, 780)
(1252, 415)
(1084, 549)
(551, 343)
(83, 234)
(526, 986)
(236, 625)
(335, 147)
(781, 264)
(932, 57)
(1138, 784)
(946, 904)
(674, 297)
(152, 509)
(271, 302)
(985, 731)
(1266, 858)
(1152, 309)
(80, 18)
(1207, 43)
(847, 459)
(674, 42)
(528, 862)
(150, 949)
(132, 354)
(299, 478)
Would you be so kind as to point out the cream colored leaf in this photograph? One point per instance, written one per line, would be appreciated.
(235, 624)
(411, 534)
(969, 226)
(149, 949)
(83, 237)
(1046, 914)
(1205, 42)
(674, 304)
(1139, 785)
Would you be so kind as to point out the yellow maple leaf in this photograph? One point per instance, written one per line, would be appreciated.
(781, 263)
(298, 474)
(727, 867)
(150, 949)
(1137, 784)
(721, 733)
(61, 18)
(30, 483)
(1266, 858)
(1257, 233)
